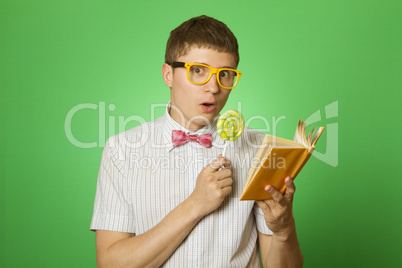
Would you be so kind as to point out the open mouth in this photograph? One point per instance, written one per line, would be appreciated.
(208, 107)
(208, 104)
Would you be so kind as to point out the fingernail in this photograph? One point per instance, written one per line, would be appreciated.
(268, 188)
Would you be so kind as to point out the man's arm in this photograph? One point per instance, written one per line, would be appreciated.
(154, 247)
(282, 248)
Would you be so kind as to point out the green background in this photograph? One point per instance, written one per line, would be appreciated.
(296, 57)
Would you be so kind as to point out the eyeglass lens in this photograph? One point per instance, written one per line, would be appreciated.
(200, 74)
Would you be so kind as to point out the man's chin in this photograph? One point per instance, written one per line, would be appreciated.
(198, 122)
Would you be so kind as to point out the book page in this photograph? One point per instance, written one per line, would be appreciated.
(317, 135)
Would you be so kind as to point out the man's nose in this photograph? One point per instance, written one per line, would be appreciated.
(212, 85)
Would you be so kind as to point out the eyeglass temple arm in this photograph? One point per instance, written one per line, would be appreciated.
(177, 64)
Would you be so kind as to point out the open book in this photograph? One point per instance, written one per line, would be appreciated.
(278, 158)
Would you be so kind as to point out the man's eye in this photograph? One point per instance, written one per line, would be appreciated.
(224, 74)
(198, 70)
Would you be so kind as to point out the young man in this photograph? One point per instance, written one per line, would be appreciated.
(182, 210)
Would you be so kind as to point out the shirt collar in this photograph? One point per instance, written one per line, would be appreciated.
(169, 124)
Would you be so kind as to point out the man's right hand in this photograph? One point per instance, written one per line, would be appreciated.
(155, 246)
(212, 186)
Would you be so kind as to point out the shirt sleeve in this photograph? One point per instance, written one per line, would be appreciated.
(112, 210)
(260, 220)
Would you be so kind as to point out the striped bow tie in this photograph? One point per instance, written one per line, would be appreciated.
(179, 137)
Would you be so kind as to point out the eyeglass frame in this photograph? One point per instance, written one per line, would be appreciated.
(216, 71)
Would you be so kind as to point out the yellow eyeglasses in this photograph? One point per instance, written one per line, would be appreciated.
(198, 73)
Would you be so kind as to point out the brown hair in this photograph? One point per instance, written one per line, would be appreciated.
(202, 32)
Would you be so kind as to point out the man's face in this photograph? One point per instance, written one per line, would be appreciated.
(194, 106)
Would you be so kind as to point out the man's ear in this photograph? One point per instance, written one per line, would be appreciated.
(167, 72)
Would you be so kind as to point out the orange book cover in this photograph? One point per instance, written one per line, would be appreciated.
(278, 158)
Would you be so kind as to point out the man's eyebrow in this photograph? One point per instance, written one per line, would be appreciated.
(229, 67)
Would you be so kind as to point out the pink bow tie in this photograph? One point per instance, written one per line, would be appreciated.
(179, 137)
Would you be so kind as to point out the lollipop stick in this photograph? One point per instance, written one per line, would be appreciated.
(223, 152)
(224, 149)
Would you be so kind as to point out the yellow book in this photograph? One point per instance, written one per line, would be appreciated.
(278, 158)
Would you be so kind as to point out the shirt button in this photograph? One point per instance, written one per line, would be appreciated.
(193, 162)
(193, 233)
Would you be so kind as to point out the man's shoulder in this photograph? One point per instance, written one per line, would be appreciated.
(139, 134)
(253, 134)
(250, 140)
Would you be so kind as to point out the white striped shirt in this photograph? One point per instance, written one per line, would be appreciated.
(142, 178)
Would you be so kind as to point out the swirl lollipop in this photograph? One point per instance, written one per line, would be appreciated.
(230, 126)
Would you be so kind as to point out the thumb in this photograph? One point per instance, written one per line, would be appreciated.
(218, 164)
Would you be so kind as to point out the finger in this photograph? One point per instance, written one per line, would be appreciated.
(224, 161)
(214, 166)
(223, 173)
(219, 163)
(276, 195)
(225, 182)
(263, 205)
(290, 188)
(226, 191)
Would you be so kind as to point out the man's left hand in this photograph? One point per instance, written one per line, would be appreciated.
(278, 212)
